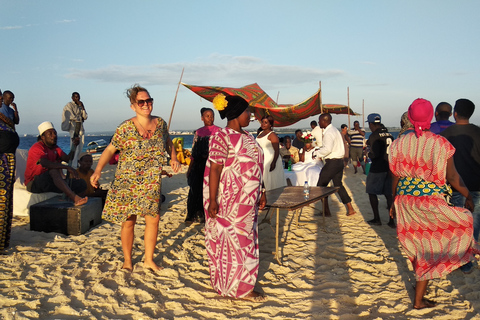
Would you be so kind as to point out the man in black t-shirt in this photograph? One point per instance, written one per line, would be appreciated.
(465, 137)
(379, 180)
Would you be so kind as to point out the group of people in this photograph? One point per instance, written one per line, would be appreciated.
(231, 170)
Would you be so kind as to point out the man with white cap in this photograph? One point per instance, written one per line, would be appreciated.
(44, 167)
(379, 179)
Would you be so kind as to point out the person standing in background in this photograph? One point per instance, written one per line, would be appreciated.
(9, 108)
(8, 145)
(443, 112)
(346, 143)
(195, 211)
(357, 139)
(73, 116)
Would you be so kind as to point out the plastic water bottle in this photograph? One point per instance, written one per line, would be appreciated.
(290, 164)
(306, 190)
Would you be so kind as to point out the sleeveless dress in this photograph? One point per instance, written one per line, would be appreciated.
(276, 178)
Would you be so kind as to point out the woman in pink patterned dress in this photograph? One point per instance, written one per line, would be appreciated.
(233, 194)
(436, 237)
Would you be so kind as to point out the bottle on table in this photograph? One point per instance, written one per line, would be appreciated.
(306, 190)
(290, 161)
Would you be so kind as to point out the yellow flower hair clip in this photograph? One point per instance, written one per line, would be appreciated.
(219, 102)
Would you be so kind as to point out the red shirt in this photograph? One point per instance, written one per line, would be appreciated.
(40, 151)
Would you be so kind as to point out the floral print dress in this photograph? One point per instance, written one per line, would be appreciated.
(137, 185)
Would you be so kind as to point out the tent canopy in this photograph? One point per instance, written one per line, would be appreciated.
(261, 104)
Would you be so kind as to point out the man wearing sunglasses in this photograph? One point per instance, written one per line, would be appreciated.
(73, 116)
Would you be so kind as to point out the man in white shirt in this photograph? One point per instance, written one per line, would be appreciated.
(332, 152)
(317, 133)
(73, 116)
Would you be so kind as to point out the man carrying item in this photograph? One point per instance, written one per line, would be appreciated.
(443, 111)
(379, 179)
(357, 137)
(73, 116)
(44, 167)
(332, 151)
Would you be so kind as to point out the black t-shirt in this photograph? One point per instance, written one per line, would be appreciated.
(379, 143)
(466, 140)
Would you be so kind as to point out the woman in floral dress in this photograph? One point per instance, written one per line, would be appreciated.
(233, 194)
(143, 142)
(436, 237)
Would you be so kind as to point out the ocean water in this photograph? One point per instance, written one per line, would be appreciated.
(64, 142)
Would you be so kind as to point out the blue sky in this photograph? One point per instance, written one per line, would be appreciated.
(387, 53)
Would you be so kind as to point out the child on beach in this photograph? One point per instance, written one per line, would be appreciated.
(85, 171)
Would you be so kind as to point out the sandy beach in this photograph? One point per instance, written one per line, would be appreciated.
(345, 269)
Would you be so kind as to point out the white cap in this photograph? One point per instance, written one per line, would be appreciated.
(44, 126)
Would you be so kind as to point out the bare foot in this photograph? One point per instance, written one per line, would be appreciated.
(128, 266)
(425, 304)
(255, 297)
(79, 201)
(152, 266)
(351, 212)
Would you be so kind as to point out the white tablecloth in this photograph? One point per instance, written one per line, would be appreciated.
(302, 172)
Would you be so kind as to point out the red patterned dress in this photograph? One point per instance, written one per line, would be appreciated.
(436, 237)
(231, 239)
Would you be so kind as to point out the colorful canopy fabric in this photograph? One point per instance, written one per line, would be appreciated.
(261, 104)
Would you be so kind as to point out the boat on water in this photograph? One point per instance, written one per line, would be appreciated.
(96, 146)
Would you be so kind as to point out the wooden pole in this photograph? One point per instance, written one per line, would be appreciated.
(348, 101)
(321, 103)
(175, 100)
(277, 97)
(363, 110)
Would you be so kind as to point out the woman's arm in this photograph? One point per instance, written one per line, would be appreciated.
(173, 155)
(276, 149)
(214, 181)
(394, 192)
(107, 154)
(457, 183)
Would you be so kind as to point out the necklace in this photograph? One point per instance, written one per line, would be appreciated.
(146, 133)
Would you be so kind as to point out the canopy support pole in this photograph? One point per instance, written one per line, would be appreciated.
(175, 100)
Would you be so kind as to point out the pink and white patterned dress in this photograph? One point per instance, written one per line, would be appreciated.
(231, 239)
(436, 237)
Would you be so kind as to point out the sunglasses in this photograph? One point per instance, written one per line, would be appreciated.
(148, 101)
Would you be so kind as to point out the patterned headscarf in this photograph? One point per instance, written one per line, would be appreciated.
(420, 114)
(406, 123)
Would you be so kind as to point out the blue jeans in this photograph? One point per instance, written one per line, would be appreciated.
(459, 201)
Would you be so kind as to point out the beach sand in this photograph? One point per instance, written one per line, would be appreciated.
(345, 269)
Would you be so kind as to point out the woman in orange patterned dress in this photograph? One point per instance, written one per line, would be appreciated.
(436, 237)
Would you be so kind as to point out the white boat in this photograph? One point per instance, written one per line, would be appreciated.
(96, 146)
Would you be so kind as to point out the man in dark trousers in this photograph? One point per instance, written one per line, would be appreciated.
(379, 179)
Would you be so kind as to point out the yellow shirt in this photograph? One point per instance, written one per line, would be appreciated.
(293, 151)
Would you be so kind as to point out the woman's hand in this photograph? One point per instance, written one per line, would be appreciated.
(175, 164)
(94, 179)
(393, 213)
(469, 203)
(263, 201)
(213, 209)
(272, 166)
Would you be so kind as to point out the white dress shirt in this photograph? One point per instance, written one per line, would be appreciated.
(332, 141)
(317, 133)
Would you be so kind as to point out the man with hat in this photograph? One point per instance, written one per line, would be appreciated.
(379, 180)
(44, 167)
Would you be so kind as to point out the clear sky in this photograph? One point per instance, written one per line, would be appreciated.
(387, 53)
